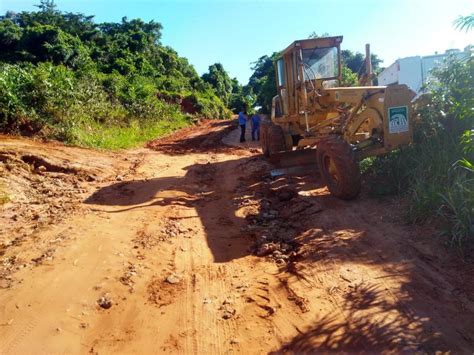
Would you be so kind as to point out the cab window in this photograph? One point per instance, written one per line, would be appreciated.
(320, 63)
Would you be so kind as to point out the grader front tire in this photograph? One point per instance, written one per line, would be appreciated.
(339, 167)
(272, 139)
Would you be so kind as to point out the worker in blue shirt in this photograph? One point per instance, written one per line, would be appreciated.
(242, 122)
(255, 127)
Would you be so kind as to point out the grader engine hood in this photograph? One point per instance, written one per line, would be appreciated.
(398, 125)
(387, 108)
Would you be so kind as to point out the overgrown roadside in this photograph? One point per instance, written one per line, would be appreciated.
(192, 247)
(435, 175)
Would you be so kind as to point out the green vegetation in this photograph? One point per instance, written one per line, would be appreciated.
(263, 82)
(117, 137)
(435, 175)
(235, 96)
(465, 22)
(110, 85)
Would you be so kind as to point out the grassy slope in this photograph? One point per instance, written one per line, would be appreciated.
(116, 137)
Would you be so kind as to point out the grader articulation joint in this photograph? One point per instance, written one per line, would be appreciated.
(342, 124)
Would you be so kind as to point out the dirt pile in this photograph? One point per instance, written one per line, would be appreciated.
(40, 193)
(162, 292)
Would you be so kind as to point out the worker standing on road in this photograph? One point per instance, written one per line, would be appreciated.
(242, 122)
(256, 127)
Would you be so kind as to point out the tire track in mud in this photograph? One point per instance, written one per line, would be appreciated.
(24, 327)
(205, 281)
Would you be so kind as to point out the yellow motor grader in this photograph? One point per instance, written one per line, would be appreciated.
(341, 125)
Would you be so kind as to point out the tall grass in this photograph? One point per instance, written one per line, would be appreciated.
(457, 208)
(118, 137)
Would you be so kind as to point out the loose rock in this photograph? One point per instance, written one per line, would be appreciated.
(104, 302)
(173, 279)
(266, 249)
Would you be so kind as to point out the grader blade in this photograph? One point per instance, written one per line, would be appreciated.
(297, 162)
(294, 158)
(295, 170)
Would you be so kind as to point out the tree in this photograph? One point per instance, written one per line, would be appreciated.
(10, 35)
(47, 6)
(262, 82)
(465, 22)
(355, 61)
(220, 81)
(124, 61)
(49, 43)
(349, 78)
(242, 98)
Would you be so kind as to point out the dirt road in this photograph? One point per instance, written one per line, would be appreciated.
(188, 246)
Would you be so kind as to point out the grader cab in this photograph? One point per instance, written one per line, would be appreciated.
(340, 124)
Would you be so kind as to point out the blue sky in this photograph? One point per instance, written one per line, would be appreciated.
(236, 33)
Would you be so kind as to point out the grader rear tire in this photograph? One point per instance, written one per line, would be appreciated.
(272, 139)
(339, 167)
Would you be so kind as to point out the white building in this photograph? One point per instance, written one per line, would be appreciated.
(414, 71)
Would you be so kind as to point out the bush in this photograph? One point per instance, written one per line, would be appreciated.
(59, 103)
(457, 208)
(208, 106)
(15, 85)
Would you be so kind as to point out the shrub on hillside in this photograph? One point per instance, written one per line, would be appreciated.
(54, 101)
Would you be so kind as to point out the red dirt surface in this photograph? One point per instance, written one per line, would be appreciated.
(191, 247)
(206, 136)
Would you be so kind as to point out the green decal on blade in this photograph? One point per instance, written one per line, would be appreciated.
(398, 119)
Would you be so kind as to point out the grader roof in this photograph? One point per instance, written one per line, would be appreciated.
(312, 43)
